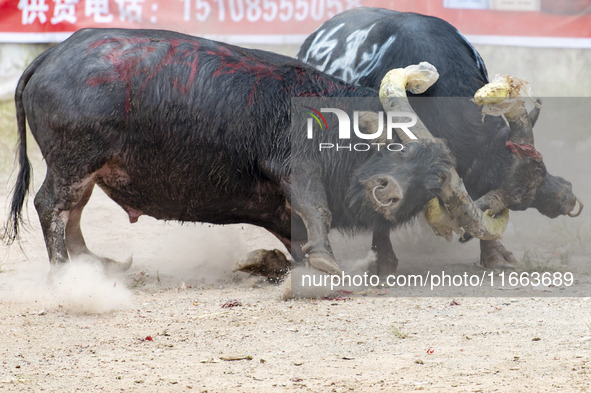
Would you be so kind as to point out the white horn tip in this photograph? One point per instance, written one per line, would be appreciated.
(416, 78)
(502, 95)
(420, 77)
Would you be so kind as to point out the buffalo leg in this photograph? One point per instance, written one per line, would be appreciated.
(53, 219)
(54, 202)
(386, 262)
(75, 240)
(494, 255)
(308, 201)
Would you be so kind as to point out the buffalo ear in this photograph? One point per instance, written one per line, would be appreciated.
(369, 124)
(535, 112)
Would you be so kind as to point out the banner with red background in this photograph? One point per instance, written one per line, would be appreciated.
(550, 23)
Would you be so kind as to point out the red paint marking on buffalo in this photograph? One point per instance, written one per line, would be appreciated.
(128, 58)
(231, 65)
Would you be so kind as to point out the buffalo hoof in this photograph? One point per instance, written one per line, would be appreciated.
(383, 266)
(494, 255)
(324, 263)
(382, 269)
(113, 267)
(387, 265)
(271, 264)
(385, 271)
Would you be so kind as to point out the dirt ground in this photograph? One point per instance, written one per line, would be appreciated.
(179, 320)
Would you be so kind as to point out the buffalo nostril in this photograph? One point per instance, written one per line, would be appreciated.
(394, 200)
(383, 182)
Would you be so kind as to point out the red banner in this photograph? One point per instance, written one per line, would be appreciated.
(519, 22)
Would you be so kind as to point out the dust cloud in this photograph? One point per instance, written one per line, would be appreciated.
(78, 287)
(199, 253)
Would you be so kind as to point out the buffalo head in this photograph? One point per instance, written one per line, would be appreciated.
(451, 197)
(529, 185)
(397, 190)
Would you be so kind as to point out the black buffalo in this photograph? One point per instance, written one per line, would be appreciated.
(496, 160)
(188, 129)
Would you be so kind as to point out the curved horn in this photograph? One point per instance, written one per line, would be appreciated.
(457, 202)
(414, 78)
(503, 96)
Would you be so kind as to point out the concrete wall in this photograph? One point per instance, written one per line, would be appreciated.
(14, 58)
(552, 72)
